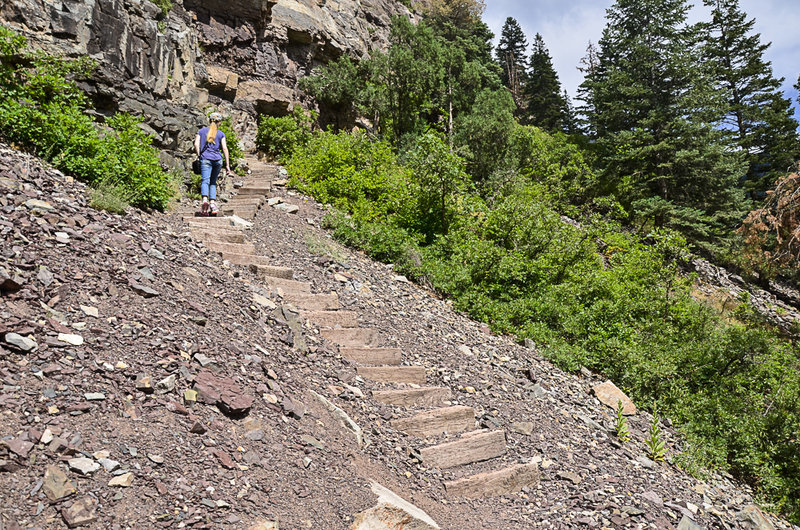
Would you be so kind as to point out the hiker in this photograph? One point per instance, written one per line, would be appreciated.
(207, 144)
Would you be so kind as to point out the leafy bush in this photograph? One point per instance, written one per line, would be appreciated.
(347, 170)
(278, 137)
(42, 108)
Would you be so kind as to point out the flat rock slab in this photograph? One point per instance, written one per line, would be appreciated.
(394, 374)
(313, 302)
(495, 483)
(332, 319)
(438, 421)
(284, 286)
(373, 356)
(610, 395)
(392, 512)
(230, 248)
(81, 513)
(253, 190)
(245, 212)
(413, 397)
(352, 337)
(470, 448)
(288, 208)
(223, 392)
(223, 236)
(56, 485)
(249, 201)
(261, 270)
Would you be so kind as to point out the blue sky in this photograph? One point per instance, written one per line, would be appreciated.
(568, 26)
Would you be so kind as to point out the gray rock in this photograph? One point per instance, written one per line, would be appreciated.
(166, 385)
(84, 466)
(288, 208)
(752, 518)
(19, 342)
(688, 524)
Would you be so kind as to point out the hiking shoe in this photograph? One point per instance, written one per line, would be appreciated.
(204, 209)
(214, 210)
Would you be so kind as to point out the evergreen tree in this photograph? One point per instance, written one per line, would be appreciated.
(758, 115)
(510, 54)
(545, 104)
(571, 124)
(652, 107)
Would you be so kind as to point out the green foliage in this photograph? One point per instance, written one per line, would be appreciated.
(758, 116)
(165, 6)
(545, 105)
(42, 108)
(437, 179)
(621, 424)
(347, 170)
(278, 137)
(485, 132)
(656, 449)
(110, 198)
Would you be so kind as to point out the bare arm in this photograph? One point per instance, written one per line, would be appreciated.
(224, 146)
(197, 145)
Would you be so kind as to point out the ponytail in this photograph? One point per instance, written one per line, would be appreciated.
(212, 133)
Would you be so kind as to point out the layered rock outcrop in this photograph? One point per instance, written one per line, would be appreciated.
(243, 57)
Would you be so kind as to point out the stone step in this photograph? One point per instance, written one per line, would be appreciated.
(352, 337)
(470, 448)
(231, 248)
(284, 286)
(438, 421)
(245, 201)
(213, 221)
(213, 227)
(413, 397)
(263, 271)
(245, 212)
(245, 259)
(225, 236)
(332, 319)
(373, 356)
(394, 374)
(249, 191)
(313, 302)
(495, 483)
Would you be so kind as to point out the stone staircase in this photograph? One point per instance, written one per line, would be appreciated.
(450, 433)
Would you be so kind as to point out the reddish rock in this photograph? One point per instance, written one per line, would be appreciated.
(223, 392)
(82, 512)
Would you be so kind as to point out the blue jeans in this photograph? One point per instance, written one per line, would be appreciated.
(209, 171)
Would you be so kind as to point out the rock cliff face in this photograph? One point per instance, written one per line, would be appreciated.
(243, 57)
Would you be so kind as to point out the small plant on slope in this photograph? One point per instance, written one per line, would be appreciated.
(621, 424)
(656, 449)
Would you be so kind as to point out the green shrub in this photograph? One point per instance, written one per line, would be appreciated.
(42, 108)
(278, 137)
(349, 171)
(109, 198)
(165, 6)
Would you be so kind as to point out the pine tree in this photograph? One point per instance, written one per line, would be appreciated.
(545, 105)
(758, 115)
(652, 108)
(510, 54)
